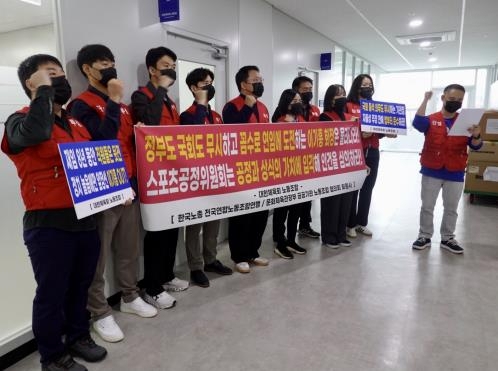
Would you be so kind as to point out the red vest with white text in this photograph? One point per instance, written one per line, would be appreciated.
(167, 117)
(264, 117)
(443, 151)
(215, 116)
(313, 113)
(125, 133)
(333, 116)
(43, 180)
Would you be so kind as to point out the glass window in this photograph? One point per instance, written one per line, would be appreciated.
(348, 78)
(481, 80)
(447, 77)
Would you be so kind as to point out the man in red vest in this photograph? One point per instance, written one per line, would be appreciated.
(152, 105)
(443, 160)
(63, 250)
(245, 232)
(101, 110)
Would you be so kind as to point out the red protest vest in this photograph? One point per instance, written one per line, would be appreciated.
(125, 133)
(167, 117)
(43, 180)
(313, 113)
(443, 151)
(298, 119)
(370, 142)
(333, 116)
(264, 117)
(215, 116)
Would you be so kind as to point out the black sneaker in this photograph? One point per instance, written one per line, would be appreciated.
(199, 278)
(64, 363)
(308, 232)
(218, 267)
(282, 251)
(295, 248)
(452, 245)
(421, 243)
(345, 243)
(87, 349)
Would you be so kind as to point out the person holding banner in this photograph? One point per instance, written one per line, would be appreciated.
(102, 112)
(443, 159)
(363, 88)
(245, 232)
(200, 83)
(304, 86)
(289, 109)
(152, 105)
(334, 210)
(63, 250)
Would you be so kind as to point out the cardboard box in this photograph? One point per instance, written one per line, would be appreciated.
(489, 126)
(474, 182)
(487, 153)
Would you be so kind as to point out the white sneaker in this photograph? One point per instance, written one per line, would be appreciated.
(259, 261)
(138, 307)
(176, 285)
(108, 329)
(161, 301)
(350, 232)
(364, 230)
(242, 267)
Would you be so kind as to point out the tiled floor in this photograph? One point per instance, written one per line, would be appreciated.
(377, 305)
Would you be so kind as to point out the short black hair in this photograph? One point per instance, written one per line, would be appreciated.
(331, 92)
(299, 80)
(353, 95)
(30, 65)
(154, 54)
(454, 86)
(198, 75)
(92, 53)
(283, 104)
(243, 74)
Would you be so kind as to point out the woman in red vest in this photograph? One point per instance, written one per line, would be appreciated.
(289, 109)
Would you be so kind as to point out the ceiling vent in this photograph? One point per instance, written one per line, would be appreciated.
(436, 37)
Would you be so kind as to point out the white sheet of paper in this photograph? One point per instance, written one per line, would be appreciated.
(465, 120)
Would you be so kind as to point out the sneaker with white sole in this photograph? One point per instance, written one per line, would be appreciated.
(161, 301)
(345, 243)
(452, 245)
(176, 285)
(350, 232)
(108, 329)
(261, 262)
(364, 230)
(331, 245)
(421, 243)
(242, 267)
(138, 307)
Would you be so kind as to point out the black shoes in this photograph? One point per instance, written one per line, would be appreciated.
(308, 232)
(452, 245)
(199, 278)
(87, 349)
(64, 363)
(218, 267)
(422, 243)
(282, 250)
(295, 248)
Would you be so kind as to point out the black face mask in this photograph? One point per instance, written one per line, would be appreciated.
(62, 90)
(452, 106)
(257, 89)
(296, 109)
(366, 93)
(211, 91)
(171, 73)
(306, 97)
(339, 104)
(107, 75)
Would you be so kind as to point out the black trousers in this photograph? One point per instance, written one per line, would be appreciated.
(290, 213)
(334, 215)
(360, 204)
(305, 215)
(245, 234)
(64, 265)
(159, 259)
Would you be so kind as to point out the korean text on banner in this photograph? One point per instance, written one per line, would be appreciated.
(383, 117)
(191, 174)
(96, 175)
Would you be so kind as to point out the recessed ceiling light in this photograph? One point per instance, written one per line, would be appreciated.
(33, 2)
(432, 59)
(415, 23)
(425, 44)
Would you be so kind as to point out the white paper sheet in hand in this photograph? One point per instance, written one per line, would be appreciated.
(465, 120)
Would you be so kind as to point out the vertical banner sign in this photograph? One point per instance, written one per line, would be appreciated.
(326, 61)
(169, 10)
(189, 174)
(382, 117)
(96, 175)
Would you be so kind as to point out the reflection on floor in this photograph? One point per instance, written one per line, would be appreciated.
(377, 305)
